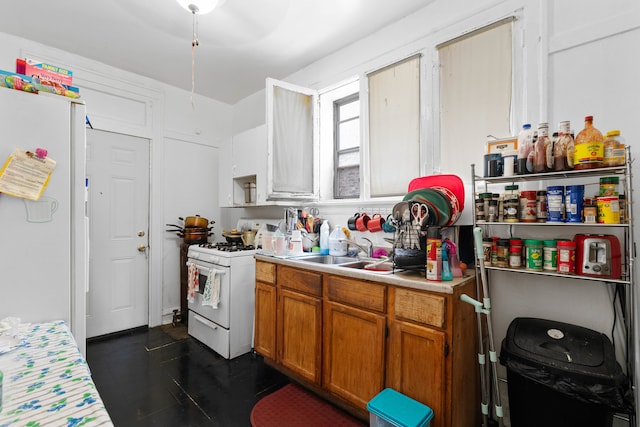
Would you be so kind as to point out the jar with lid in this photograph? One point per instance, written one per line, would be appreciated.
(487, 244)
(541, 147)
(589, 150)
(541, 206)
(566, 256)
(492, 215)
(609, 186)
(511, 203)
(528, 206)
(563, 148)
(549, 255)
(614, 149)
(480, 214)
(622, 205)
(502, 253)
(533, 254)
(515, 256)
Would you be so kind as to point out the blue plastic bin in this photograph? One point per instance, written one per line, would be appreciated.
(392, 409)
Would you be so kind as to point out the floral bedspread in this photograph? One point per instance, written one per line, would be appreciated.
(47, 382)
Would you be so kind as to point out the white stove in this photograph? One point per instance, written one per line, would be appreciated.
(227, 329)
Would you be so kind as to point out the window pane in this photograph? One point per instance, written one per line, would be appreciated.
(351, 158)
(350, 110)
(349, 134)
(347, 182)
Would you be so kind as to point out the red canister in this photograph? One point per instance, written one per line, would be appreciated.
(566, 256)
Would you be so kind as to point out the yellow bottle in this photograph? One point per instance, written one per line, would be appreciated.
(614, 149)
(589, 149)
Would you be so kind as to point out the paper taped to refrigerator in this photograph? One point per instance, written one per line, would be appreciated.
(25, 175)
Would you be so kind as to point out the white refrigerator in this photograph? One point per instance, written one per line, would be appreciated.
(43, 244)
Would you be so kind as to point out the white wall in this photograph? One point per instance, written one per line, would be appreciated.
(183, 138)
(576, 58)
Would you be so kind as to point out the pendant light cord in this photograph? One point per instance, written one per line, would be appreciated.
(194, 43)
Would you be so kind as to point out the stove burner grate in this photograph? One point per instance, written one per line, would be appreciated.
(226, 246)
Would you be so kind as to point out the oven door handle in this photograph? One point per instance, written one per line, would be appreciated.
(205, 271)
(204, 321)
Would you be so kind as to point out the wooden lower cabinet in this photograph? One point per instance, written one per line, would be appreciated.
(348, 339)
(353, 360)
(264, 341)
(416, 365)
(299, 334)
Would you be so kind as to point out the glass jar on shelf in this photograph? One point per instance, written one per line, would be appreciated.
(563, 148)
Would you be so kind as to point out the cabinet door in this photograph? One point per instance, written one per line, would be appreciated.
(353, 353)
(299, 339)
(416, 366)
(265, 320)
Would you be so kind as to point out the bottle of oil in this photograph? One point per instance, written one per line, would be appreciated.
(589, 148)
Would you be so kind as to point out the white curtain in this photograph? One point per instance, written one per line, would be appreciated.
(293, 141)
(475, 95)
(394, 127)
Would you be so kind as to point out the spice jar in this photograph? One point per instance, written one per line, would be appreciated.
(549, 255)
(622, 206)
(492, 215)
(528, 206)
(614, 149)
(541, 206)
(609, 186)
(480, 214)
(533, 254)
(502, 253)
(566, 257)
(515, 256)
(511, 203)
(590, 211)
(487, 243)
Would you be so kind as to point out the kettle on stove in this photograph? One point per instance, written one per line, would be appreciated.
(598, 255)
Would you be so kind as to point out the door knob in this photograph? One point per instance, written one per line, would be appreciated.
(142, 248)
(141, 233)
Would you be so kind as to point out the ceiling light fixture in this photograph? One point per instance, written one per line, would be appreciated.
(197, 7)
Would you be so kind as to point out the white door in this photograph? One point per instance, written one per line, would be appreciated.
(118, 173)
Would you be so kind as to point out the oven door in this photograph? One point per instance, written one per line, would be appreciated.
(218, 315)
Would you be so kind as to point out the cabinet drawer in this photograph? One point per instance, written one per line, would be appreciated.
(266, 272)
(357, 293)
(420, 307)
(308, 282)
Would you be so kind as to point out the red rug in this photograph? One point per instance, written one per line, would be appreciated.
(292, 406)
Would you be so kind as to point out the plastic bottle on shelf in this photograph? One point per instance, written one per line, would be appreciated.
(541, 147)
(563, 148)
(337, 242)
(324, 238)
(589, 150)
(525, 149)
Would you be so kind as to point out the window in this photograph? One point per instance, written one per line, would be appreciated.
(346, 113)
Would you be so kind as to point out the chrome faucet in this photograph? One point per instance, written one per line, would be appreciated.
(368, 249)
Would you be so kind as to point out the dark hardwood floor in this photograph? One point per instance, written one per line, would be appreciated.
(162, 377)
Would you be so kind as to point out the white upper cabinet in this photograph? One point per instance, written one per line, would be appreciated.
(292, 142)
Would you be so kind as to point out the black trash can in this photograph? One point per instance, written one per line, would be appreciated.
(562, 375)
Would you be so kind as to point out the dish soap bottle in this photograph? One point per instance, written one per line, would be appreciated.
(324, 238)
(338, 242)
(446, 269)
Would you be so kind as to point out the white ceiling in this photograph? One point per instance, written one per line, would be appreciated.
(241, 43)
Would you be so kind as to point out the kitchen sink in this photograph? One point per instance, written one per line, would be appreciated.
(329, 259)
(385, 267)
